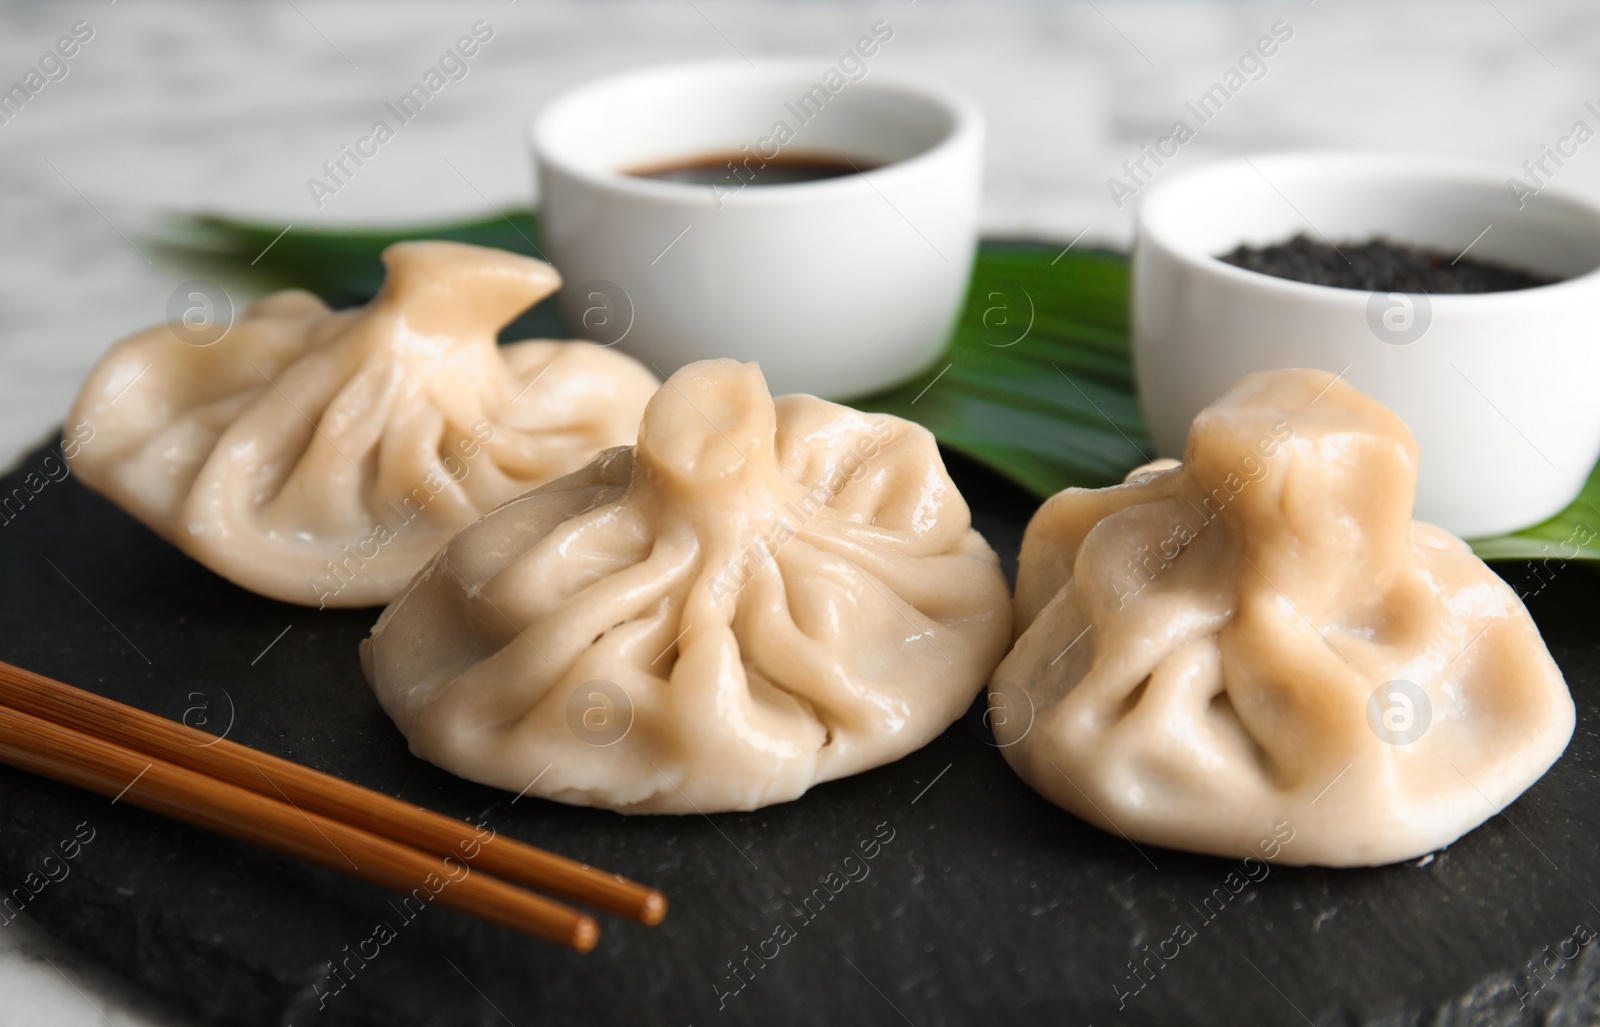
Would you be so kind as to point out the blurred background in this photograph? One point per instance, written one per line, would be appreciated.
(165, 107)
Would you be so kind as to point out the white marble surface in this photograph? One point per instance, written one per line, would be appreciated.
(231, 107)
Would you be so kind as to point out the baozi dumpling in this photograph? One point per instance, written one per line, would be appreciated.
(761, 595)
(322, 457)
(1263, 635)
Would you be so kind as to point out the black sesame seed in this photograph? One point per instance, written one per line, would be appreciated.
(1379, 265)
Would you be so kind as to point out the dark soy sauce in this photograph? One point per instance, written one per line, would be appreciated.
(734, 168)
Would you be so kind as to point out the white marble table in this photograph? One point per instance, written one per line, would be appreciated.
(232, 107)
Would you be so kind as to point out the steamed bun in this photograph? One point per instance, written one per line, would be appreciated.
(322, 457)
(761, 595)
(1261, 638)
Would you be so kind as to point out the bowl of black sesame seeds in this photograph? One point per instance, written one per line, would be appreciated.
(1437, 285)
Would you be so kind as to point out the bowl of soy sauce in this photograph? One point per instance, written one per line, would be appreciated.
(819, 217)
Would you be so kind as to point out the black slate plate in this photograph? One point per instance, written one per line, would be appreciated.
(981, 904)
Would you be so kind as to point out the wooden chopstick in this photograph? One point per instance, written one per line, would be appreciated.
(318, 793)
(133, 777)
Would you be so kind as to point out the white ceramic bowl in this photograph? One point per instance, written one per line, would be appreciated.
(838, 287)
(1499, 388)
